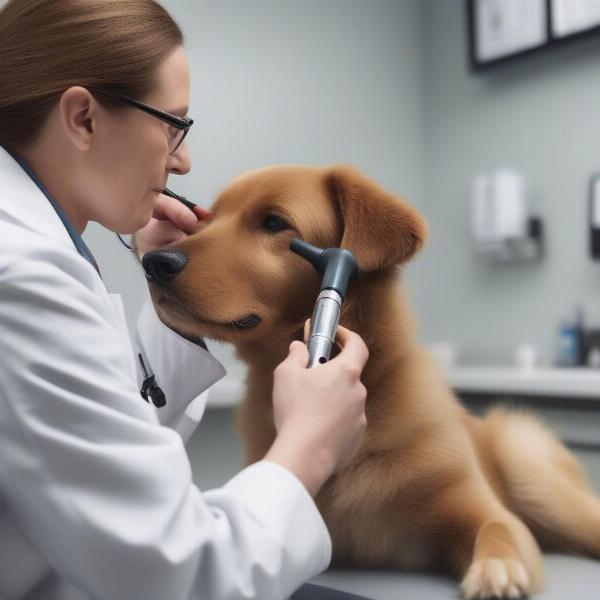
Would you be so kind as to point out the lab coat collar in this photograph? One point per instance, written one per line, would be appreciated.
(24, 203)
(81, 246)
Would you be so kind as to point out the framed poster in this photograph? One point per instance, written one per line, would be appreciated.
(569, 17)
(502, 30)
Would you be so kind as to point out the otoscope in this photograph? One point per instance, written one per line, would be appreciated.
(182, 199)
(338, 266)
(172, 194)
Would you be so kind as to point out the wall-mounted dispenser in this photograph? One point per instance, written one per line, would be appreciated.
(502, 226)
(594, 217)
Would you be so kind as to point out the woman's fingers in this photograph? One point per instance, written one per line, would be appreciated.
(202, 213)
(354, 349)
(350, 343)
(167, 208)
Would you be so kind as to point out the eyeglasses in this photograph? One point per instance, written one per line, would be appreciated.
(181, 125)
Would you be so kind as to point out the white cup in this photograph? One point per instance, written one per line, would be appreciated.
(527, 357)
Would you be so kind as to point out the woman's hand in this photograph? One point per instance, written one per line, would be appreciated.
(170, 222)
(319, 413)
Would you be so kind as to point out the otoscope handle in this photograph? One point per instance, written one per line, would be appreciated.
(323, 326)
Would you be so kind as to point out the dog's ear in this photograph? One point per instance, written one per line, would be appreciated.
(380, 229)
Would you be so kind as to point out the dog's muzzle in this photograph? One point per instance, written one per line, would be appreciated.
(163, 265)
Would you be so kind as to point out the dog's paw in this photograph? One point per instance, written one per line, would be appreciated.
(495, 578)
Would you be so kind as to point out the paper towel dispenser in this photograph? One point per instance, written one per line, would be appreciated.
(594, 217)
(502, 226)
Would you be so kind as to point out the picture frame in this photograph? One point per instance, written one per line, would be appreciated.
(571, 17)
(504, 30)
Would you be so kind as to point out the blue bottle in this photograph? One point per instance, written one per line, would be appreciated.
(570, 340)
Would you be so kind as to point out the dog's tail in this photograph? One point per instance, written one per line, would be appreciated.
(542, 482)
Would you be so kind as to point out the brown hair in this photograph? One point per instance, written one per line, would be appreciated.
(47, 46)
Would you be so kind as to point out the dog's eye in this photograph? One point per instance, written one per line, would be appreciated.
(275, 223)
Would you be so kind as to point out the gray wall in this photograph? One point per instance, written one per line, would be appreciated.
(386, 85)
(540, 115)
(283, 81)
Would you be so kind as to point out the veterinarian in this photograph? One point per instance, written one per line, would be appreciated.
(96, 491)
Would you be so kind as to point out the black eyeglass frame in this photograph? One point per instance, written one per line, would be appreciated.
(184, 123)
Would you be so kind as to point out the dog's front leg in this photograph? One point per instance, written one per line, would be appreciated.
(494, 552)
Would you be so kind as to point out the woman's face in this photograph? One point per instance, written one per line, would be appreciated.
(131, 157)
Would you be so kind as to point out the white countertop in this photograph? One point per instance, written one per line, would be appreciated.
(566, 382)
(558, 382)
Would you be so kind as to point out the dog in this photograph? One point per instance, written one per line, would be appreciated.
(431, 486)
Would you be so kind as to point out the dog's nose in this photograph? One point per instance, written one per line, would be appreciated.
(163, 265)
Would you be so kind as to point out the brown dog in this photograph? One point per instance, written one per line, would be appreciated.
(431, 486)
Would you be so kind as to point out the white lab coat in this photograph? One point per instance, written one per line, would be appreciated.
(96, 493)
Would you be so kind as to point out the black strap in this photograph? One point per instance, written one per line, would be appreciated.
(150, 388)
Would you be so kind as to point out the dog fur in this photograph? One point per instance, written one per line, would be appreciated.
(431, 486)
